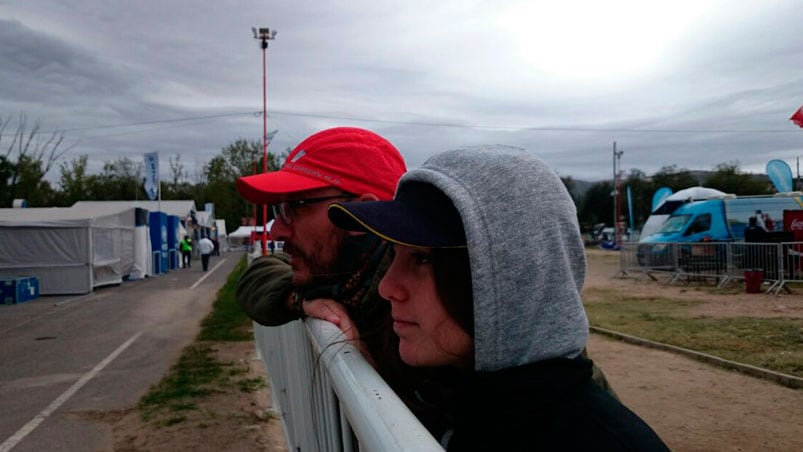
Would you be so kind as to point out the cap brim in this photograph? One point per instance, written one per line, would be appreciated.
(398, 222)
(268, 188)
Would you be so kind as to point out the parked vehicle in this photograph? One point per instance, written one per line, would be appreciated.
(665, 203)
(716, 220)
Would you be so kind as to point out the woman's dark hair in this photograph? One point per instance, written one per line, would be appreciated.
(452, 273)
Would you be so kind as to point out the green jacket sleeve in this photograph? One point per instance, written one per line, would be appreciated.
(264, 288)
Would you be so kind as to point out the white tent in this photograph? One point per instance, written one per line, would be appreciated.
(222, 235)
(183, 209)
(241, 237)
(245, 231)
(70, 250)
(205, 219)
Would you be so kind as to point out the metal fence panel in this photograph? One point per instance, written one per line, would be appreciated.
(329, 397)
(726, 262)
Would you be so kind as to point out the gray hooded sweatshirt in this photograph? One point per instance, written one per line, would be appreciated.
(526, 253)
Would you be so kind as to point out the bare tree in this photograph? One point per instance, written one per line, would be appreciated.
(29, 145)
(177, 172)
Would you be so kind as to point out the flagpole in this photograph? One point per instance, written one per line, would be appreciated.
(159, 185)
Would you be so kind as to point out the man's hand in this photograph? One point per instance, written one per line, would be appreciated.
(334, 312)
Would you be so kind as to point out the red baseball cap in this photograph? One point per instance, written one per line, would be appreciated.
(355, 160)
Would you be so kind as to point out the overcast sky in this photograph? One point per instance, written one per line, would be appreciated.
(688, 83)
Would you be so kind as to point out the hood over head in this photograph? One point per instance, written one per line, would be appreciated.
(526, 252)
(527, 257)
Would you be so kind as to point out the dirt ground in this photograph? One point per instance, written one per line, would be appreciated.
(232, 421)
(693, 406)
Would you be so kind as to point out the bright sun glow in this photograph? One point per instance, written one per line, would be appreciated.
(596, 39)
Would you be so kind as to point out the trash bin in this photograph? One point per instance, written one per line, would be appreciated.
(753, 280)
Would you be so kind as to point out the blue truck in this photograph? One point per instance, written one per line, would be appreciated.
(722, 219)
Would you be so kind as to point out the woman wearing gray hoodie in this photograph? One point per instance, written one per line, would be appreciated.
(485, 285)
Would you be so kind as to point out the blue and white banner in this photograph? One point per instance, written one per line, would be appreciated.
(781, 175)
(152, 174)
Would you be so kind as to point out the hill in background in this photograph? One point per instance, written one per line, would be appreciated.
(582, 186)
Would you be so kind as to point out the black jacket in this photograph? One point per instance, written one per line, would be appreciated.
(548, 405)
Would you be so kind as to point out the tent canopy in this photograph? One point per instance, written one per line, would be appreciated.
(180, 208)
(245, 231)
(220, 225)
(70, 250)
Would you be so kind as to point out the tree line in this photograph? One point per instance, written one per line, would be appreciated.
(597, 203)
(26, 159)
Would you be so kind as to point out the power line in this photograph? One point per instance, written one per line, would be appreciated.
(158, 121)
(531, 128)
(425, 124)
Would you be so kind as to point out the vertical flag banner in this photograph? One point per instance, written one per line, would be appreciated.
(781, 175)
(630, 209)
(797, 118)
(152, 175)
(660, 196)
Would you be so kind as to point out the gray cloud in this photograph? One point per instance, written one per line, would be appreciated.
(428, 76)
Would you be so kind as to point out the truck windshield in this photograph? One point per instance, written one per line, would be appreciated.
(674, 224)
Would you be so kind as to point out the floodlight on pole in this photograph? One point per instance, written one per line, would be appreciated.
(264, 35)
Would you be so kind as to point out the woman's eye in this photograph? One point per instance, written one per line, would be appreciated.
(422, 258)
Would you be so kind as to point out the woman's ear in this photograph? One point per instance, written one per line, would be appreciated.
(367, 197)
(361, 198)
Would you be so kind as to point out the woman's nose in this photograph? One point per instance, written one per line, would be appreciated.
(390, 287)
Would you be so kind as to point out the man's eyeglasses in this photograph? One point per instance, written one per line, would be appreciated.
(284, 210)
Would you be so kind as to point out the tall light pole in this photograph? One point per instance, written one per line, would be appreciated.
(617, 191)
(264, 35)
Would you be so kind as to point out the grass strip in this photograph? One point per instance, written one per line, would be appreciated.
(198, 373)
(773, 343)
(228, 322)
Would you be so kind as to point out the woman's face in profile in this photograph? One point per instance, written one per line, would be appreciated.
(428, 336)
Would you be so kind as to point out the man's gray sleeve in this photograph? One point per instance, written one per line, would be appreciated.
(264, 288)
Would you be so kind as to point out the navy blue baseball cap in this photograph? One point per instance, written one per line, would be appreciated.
(419, 215)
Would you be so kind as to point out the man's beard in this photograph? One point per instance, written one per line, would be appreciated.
(348, 257)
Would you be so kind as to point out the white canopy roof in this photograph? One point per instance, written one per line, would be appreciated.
(245, 231)
(695, 193)
(180, 208)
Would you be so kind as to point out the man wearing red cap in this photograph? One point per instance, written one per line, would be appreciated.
(331, 165)
(323, 261)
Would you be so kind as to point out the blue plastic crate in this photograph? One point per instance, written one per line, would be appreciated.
(18, 289)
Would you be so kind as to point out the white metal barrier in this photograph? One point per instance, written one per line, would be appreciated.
(726, 262)
(329, 398)
(791, 256)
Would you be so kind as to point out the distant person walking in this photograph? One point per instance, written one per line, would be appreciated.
(206, 247)
(186, 251)
(760, 220)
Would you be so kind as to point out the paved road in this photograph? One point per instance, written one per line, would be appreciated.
(62, 358)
